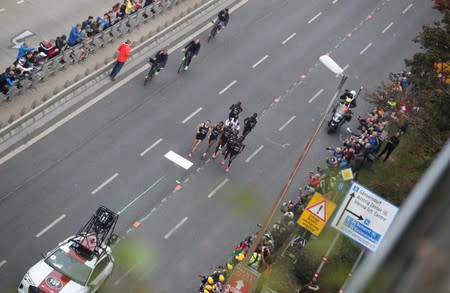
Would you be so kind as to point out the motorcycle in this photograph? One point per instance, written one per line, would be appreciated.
(341, 114)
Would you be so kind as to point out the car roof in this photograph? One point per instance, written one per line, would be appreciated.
(68, 249)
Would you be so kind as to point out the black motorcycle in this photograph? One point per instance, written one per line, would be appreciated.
(341, 114)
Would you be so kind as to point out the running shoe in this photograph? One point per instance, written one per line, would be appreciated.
(222, 162)
(204, 155)
(227, 169)
(213, 156)
(190, 155)
(186, 68)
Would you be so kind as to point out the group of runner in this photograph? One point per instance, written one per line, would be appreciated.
(226, 134)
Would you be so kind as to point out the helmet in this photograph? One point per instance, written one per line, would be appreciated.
(221, 278)
(353, 93)
(229, 267)
(206, 291)
(348, 100)
(210, 280)
(208, 287)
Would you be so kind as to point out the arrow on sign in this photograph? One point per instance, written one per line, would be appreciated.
(352, 195)
(354, 214)
(18, 40)
(239, 284)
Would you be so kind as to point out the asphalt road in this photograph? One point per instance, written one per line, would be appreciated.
(96, 158)
(45, 19)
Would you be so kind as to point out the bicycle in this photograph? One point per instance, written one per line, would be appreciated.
(215, 28)
(185, 60)
(150, 74)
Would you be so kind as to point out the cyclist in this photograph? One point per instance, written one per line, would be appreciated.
(222, 18)
(213, 136)
(159, 62)
(202, 131)
(224, 137)
(190, 50)
(249, 124)
(235, 110)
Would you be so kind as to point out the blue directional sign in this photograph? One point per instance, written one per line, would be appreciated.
(364, 216)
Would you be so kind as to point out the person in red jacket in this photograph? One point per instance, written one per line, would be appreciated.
(124, 52)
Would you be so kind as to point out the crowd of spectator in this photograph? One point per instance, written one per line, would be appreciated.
(30, 59)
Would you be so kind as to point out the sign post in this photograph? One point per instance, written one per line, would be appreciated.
(364, 216)
(316, 213)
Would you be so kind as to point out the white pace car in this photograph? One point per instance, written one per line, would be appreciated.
(68, 268)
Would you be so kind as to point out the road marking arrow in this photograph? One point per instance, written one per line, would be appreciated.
(18, 40)
(239, 284)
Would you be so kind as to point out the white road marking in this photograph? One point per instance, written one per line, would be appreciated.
(345, 67)
(365, 48)
(315, 17)
(151, 147)
(334, 1)
(315, 96)
(227, 87)
(286, 123)
(179, 160)
(254, 153)
(104, 183)
(117, 282)
(50, 225)
(407, 8)
(260, 61)
(214, 191)
(20, 1)
(3, 262)
(192, 115)
(112, 88)
(177, 226)
(386, 28)
(288, 38)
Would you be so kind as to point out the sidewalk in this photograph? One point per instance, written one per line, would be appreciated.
(30, 99)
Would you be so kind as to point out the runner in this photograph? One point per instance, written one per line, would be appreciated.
(226, 133)
(249, 124)
(235, 148)
(233, 122)
(202, 131)
(213, 136)
(235, 110)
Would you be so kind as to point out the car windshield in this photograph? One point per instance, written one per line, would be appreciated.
(69, 266)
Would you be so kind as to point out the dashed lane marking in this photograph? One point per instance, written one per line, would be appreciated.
(227, 87)
(151, 147)
(117, 282)
(260, 61)
(286, 123)
(386, 28)
(254, 153)
(365, 48)
(288, 38)
(191, 115)
(407, 8)
(315, 17)
(3, 262)
(334, 1)
(221, 184)
(345, 67)
(107, 181)
(50, 225)
(20, 1)
(177, 226)
(315, 96)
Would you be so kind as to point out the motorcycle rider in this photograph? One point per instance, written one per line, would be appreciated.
(349, 96)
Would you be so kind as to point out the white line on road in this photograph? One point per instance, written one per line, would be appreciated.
(386, 28)
(175, 228)
(115, 86)
(315, 96)
(407, 8)
(192, 115)
(151, 147)
(50, 226)
(254, 153)
(288, 38)
(260, 61)
(227, 87)
(179, 160)
(365, 48)
(117, 282)
(314, 18)
(105, 183)
(3, 262)
(214, 191)
(20, 1)
(345, 67)
(334, 1)
(286, 123)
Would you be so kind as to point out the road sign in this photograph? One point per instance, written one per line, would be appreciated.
(364, 216)
(242, 280)
(347, 174)
(316, 214)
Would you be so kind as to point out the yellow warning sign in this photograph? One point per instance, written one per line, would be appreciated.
(316, 214)
(347, 174)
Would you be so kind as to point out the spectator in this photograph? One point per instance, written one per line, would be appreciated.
(124, 52)
(88, 22)
(61, 43)
(310, 287)
(24, 68)
(74, 37)
(48, 48)
(7, 80)
(390, 146)
(103, 22)
(23, 49)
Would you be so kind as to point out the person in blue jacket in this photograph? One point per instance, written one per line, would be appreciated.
(74, 35)
(23, 50)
